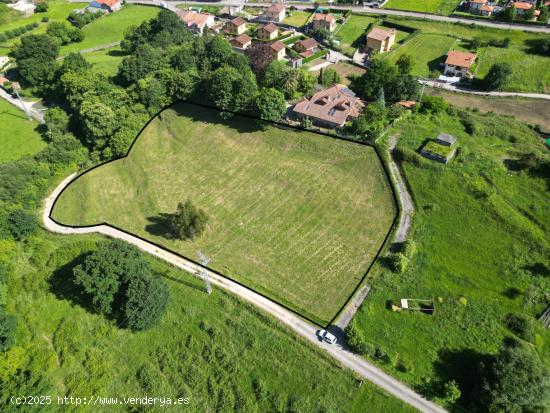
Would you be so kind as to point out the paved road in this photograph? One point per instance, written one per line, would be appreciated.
(306, 330)
(493, 24)
(25, 106)
(94, 49)
(453, 88)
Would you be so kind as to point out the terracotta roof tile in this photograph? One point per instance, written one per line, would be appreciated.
(460, 59)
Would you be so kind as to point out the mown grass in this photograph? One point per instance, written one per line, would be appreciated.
(111, 28)
(482, 233)
(220, 352)
(105, 61)
(297, 18)
(18, 136)
(293, 214)
(352, 32)
(444, 7)
(427, 52)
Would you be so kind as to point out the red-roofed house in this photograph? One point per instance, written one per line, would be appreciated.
(380, 40)
(324, 21)
(276, 12)
(236, 26)
(109, 5)
(267, 32)
(278, 50)
(522, 8)
(331, 107)
(486, 10)
(197, 22)
(476, 5)
(458, 63)
(241, 42)
(306, 45)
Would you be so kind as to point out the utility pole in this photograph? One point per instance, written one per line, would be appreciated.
(204, 260)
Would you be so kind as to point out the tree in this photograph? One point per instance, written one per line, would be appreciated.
(103, 272)
(509, 13)
(64, 34)
(99, 121)
(433, 104)
(229, 89)
(57, 122)
(189, 221)
(141, 63)
(260, 57)
(328, 77)
(516, 381)
(372, 121)
(7, 330)
(498, 76)
(270, 104)
(41, 7)
(404, 64)
(529, 14)
(451, 392)
(521, 326)
(74, 62)
(35, 58)
(146, 300)
(21, 224)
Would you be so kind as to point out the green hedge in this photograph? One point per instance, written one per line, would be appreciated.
(315, 55)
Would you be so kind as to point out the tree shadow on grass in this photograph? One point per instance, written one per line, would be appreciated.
(201, 114)
(62, 284)
(437, 64)
(535, 46)
(465, 367)
(160, 225)
(116, 53)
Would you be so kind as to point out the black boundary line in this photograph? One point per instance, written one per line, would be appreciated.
(279, 124)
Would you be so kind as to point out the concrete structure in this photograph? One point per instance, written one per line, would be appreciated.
(241, 42)
(459, 63)
(236, 26)
(108, 5)
(331, 107)
(197, 22)
(276, 12)
(268, 32)
(324, 21)
(445, 139)
(380, 40)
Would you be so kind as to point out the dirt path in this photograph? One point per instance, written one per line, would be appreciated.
(440, 85)
(306, 330)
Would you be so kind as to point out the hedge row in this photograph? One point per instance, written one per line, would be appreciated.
(10, 34)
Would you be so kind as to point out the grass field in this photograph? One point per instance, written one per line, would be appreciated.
(218, 351)
(105, 61)
(352, 31)
(426, 50)
(533, 111)
(111, 28)
(345, 70)
(18, 136)
(482, 233)
(297, 18)
(444, 7)
(292, 214)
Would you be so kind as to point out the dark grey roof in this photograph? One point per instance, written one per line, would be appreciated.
(445, 137)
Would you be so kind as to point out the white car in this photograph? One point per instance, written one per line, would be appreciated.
(327, 337)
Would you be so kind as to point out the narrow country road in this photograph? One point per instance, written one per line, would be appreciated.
(25, 106)
(457, 89)
(361, 9)
(405, 198)
(306, 330)
(94, 49)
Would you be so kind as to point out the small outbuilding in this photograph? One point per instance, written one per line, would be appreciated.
(445, 139)
(441, 149)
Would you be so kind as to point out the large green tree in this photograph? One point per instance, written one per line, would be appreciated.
(229, 89)
(21, 224)
(270, 104)
(516, 381)
(35, 59)
(146, 300)
(188, 221)
(7, 330)
(498, 76)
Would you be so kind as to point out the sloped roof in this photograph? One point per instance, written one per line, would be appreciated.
(321, 16)
(242, 39)
(238, 21)
(276, 8)
(192, 18)
(334, 104)
(308, 43)
(380, 34)
(277, 46)
(486, 7)
(522, 5)
(460, 59)
(478, 1)
(270, 28)
(109, 3)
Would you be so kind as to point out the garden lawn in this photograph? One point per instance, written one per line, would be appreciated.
(297, 18)
(111, 28)
(294, 215)
(18, 136)
(351, 33)
(105, 61)
(482, 233)
(444, 7)
(427, 52)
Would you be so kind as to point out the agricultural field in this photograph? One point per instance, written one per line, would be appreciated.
(297, 18)
(481, 230)
(18, 134)
(444, 7)
(111, 28)
(294, 215)
(105, 61)
(532, 111)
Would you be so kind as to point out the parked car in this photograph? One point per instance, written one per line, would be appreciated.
(327, 337)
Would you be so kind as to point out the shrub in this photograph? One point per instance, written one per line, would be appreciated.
(3, 37)
(189, 221)
(468, 122)
(399, 262)
(45, 19)
(9, 34)
(521, 326)
(21, 224)
(433, 105)
(41, 7)
(408, 248)
(498, 76)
